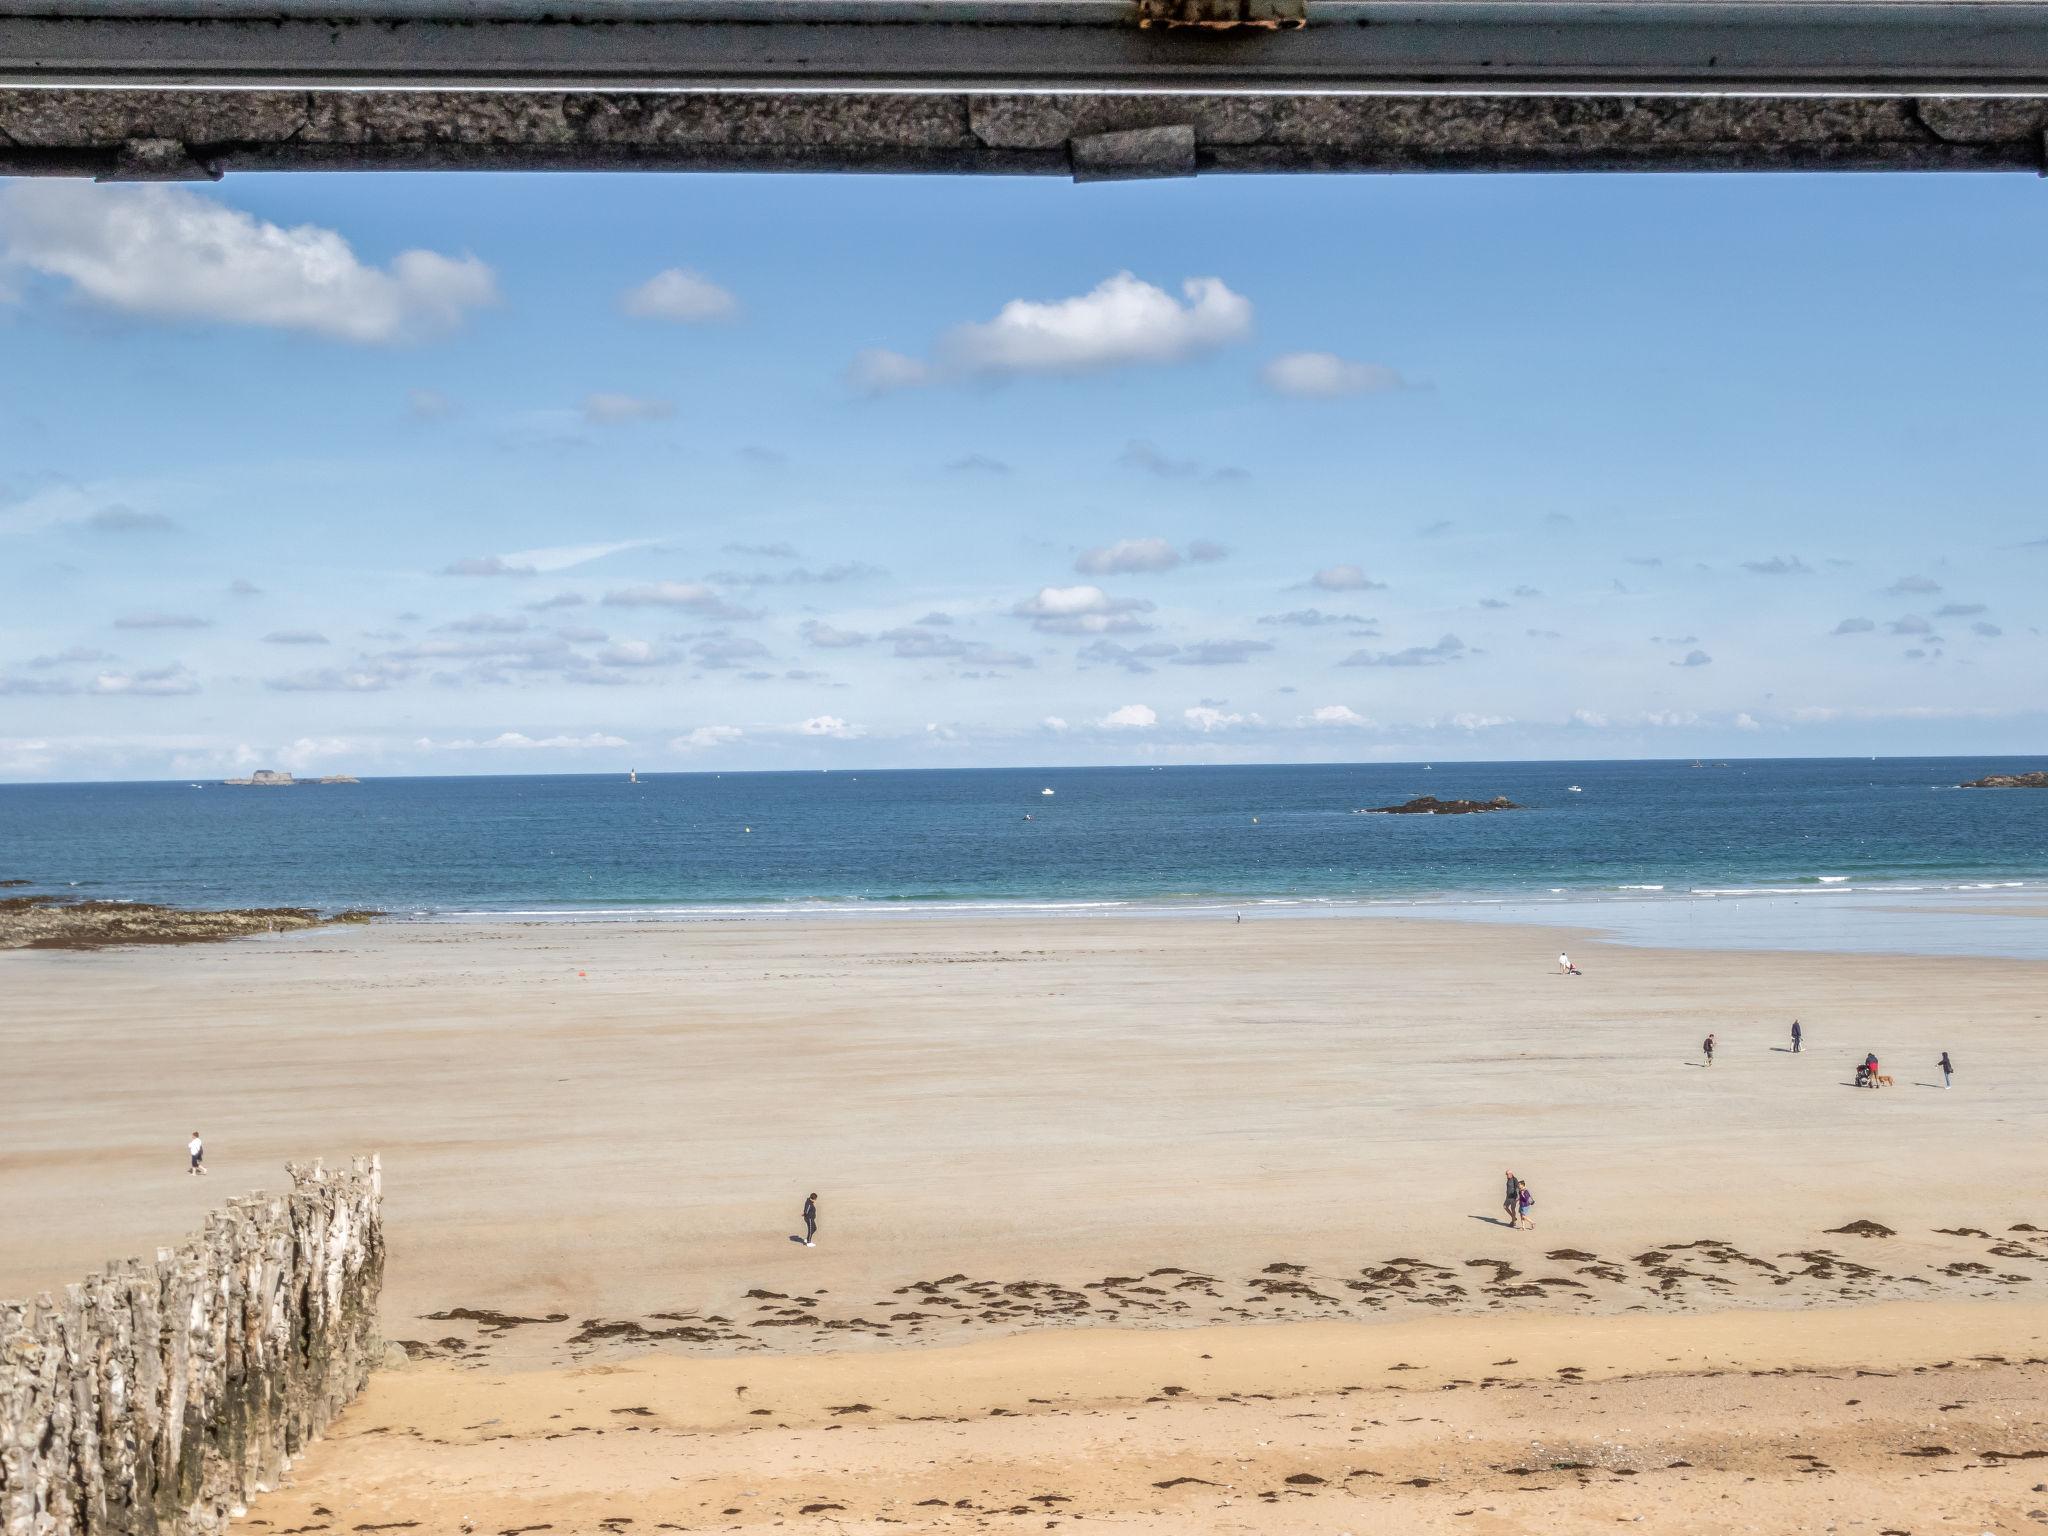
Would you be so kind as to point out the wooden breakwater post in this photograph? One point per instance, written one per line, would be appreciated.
(154, 1399)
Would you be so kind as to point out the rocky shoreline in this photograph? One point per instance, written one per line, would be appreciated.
(2037, 779)
(60, 922)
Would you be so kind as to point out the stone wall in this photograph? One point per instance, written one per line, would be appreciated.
(155, 1399)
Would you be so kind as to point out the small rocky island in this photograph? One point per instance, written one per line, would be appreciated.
(276, 776)
(61, 922)
(2037, 779)
(1429, 805)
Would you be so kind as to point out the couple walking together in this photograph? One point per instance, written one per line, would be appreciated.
(1518, 1202)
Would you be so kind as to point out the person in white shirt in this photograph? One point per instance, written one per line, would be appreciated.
(197, 1149)
(1565, 966)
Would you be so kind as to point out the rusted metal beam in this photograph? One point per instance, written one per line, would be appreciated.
(183, 134)
(1830, 47)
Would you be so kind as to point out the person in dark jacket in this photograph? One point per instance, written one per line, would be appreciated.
(810, 1220)
(1796, 1037)
(1947, 1069)
(1707, 1045)
(1512, 1201)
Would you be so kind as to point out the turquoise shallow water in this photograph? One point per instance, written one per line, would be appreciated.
(1661, 841)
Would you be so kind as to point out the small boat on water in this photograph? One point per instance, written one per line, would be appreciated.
(632, 775)
(1045, 791)
(1573, 789)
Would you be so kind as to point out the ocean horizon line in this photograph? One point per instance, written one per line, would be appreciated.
(310, 777)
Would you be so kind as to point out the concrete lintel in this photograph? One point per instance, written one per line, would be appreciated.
(116, 133)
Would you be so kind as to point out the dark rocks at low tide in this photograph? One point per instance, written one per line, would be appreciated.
(2037, 779)
(57, 922)
(1429, 805)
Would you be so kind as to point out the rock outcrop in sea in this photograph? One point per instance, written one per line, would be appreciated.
(2036, 779)
(1429, 805)
(277, 776)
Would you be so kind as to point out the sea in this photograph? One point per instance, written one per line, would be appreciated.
(1863, 854)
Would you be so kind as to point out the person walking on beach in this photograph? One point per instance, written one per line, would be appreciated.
(1512, 1201)
(1796, 1037)
(1707, 1045)
(1947, 1069)
(810, 1220)
(196, 1150)
(1525, 1202)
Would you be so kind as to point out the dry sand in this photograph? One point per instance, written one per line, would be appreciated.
(1116, 1125)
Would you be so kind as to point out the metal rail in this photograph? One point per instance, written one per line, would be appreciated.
(1826, 47)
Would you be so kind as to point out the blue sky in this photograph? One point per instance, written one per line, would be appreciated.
(443, 474)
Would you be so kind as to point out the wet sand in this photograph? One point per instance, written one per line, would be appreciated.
(1034, 1129)
(1900, 1418)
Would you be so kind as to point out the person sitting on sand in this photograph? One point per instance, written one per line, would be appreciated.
(196, 1150)
(1512, 1202)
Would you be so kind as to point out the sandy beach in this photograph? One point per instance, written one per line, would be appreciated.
(1080, 1146)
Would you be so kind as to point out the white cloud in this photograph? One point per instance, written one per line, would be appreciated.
(1591, 719)
(1325, 376)
(1131, 717)
(681, 295)
(827, 725)
(1219, 653)
(364, 677)
(533, 562)
(1205, 717)
(830, 637)
(1778, 565)
(1345, 578)
(1126, 556)
(122, 518)
(708, 736)
(1121, 321)
(151, 680)
(721, 651)
(692, 596)
(634, 653)
(1745, 721)
(1053, 723)
(877, 371)
(172, 254)
(609, 409)
(1449, 648)
(1467, 721)
(70, 656)
(1083, 610)
(1337, 714)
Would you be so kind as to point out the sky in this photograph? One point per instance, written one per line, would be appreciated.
(393, 474)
